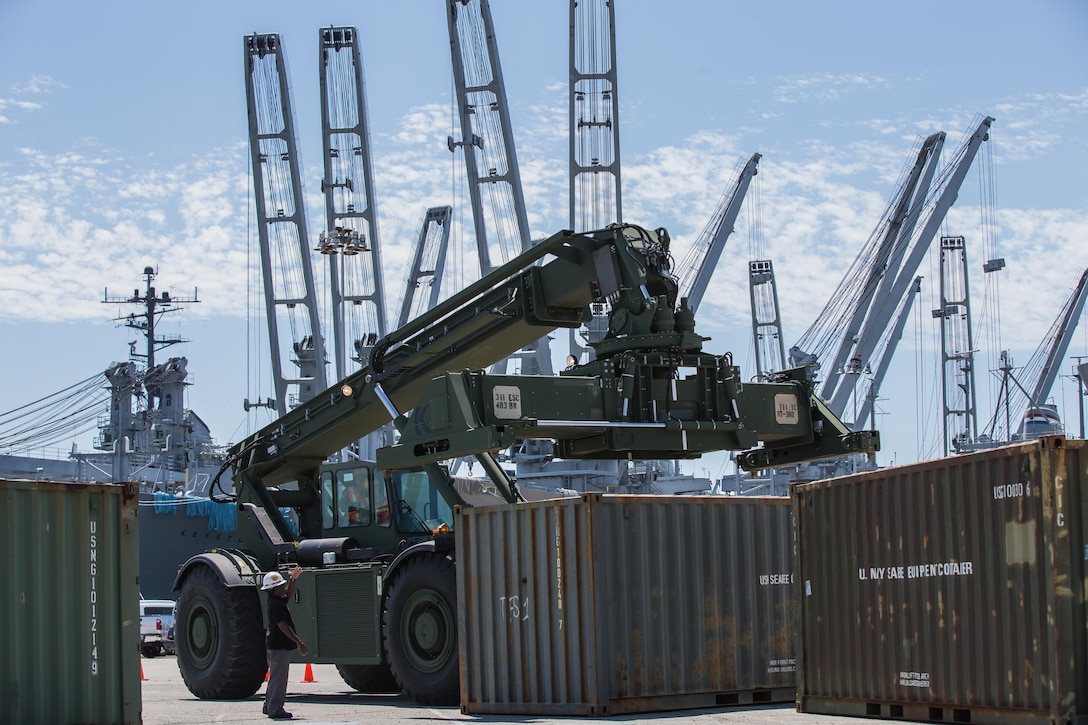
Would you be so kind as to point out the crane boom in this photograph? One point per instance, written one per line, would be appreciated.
(1060, 338)
(486, 134)
(350, 242)
(474, 328)
(595, 198)
(886, 358)
(502, 225)
(428, 264)
(898, 226)
(699, 265)
(878, 319)
(281, 221)
(650, 343)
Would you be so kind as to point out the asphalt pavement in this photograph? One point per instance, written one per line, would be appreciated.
(328, 701)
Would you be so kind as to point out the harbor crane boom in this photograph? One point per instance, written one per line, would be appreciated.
(487, 139)
(286, 269)
(897, 225)
(948, 186)
(1059, 337)
(698, 265)
(428, 264)
(350, 242)
(595, 187)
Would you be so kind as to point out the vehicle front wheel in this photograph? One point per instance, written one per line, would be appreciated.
(421, 630)
(219, 637)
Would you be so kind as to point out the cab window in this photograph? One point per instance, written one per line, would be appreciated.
(327, 500)
(381, 506)
(422, 508)
(353, 506)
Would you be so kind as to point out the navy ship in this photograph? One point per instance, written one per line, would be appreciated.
(149, 436)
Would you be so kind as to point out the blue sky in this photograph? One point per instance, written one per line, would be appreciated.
(123, 144)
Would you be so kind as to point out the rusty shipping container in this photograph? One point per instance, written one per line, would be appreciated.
(952, 590)
(69, 604)
(620, 604)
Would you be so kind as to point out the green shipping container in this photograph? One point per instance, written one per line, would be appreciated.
(69, 604)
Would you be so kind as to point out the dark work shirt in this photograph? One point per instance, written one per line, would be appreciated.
(278, 612)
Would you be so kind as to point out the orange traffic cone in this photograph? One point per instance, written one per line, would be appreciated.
(309, 675)
(266, 675)
(142, 675)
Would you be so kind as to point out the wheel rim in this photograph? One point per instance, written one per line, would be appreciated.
(202, 628)
(427, 631)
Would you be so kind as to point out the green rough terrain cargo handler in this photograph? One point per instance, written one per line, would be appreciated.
(378, 595)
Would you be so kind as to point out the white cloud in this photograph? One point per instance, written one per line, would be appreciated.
(38, 84)
(825, 87)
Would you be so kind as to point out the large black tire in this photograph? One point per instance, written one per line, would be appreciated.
(421, 630)
(369, 678)
(220, 637)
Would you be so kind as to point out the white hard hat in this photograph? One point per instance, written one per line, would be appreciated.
(272, 580)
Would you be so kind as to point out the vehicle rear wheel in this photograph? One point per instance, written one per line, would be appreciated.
(421, 630)
(219, 637)
(152, 650)
(369, 678)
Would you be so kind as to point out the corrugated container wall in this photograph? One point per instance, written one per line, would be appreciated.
(616, 604)
(951, 590)
(69, 604)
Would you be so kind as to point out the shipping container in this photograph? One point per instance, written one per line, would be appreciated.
(620, 604)
(69, 604)
(952, 590)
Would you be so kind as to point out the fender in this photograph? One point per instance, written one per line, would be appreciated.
(234, 567)
(428, 546)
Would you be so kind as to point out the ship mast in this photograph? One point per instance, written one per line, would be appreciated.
(154, 308)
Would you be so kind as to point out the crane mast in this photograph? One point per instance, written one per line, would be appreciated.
(350, 241)
(595, 184)
(595, 189)
(281, 225)
(957, 346)
(770, 346)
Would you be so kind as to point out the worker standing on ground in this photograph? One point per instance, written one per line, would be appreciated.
(281, 640)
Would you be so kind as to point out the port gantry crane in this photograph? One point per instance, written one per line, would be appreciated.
(858, 318)
(286, 268)
(350, 242)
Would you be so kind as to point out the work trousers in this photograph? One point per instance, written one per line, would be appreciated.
(279, 662)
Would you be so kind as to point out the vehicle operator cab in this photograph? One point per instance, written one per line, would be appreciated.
(359, 501)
